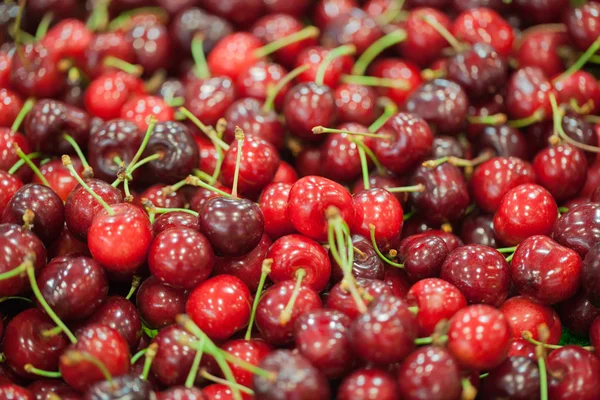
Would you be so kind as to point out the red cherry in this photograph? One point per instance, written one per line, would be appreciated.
(395, 68)
(159, 304)
(525, 314)
(251, 351)
(356, 103)
(573, 373)
(9, 184)
(251, 116)
(233, 54)
(102, 45)
(339, 155)
(173, 360)
(561, 170)
(10, 106)
(582, 24)
(68, 38)
(139, 108)
(483, 25)
(285, 174)
(379, 208)
(273, 204)
(208, 98)
(424, 44)
(528, 92)
(121, 315)
(341, 300)
(106, 95)
(11, 391)
(540, 49)
(368, 384)
(59, 177)
(354, 27)
(580, 87)
(326, 10)
(308, 105)
(313, 57)
(34, 72)
(256, 80)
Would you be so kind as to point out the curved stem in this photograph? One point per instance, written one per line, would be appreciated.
(151, 120)
(358, 142)
(132, 69)
(135, 283)
(591, 51)
(160, 210)
(43, 26)
(210, 134)
(265, 271)
(200, 63)
(445, 33)
(77, 149)
(388, 111)
(346, 49)
(137, 356)
(507, 249)
(57, 330)
(306, 33)
(31, 165)
(318, 130)
(21, 162)
(496, 119)
(537, 116)
(66, 160)
(376, 81)
(195, 181)
(191, 378)
(558, 128)
(148, 359)
(384, 258)
(390, 14)
(122, 20)
(99, 18)
(21, 115)
(376, 48)
(143, 161)
(286, 313)
(208, 376)
(239, 136)
(40, 372)
(274, 91)
(72, 357)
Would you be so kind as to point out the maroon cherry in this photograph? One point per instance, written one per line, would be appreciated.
(175, 219)
(208, 98)
(44, 389)
(255, 83)
(365, 265)
(528, 95)
(159, 304)
(577, 314)
(35, 72)
(422, 256)
(173, 360)
(540, 49)
(307, 105)
(368, 384)
(120, 314)
(590, 274)
(579, 228)
(341, 300)
(484, 25)
(341, 160)
(582, 24)
(131, 386)
(479, 229)
(354, 27)
(424, 44)
(356, 103)
(516, 378)
(573, 372)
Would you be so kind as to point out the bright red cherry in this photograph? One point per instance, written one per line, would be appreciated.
(139, 108)
(251, 351)
(528, 94)
(483, 25)
(9, 184)
(339, 155)
(308, 105)
(580, 87)
(59, 177)
(540, 49)
(379, 208)
(10, 106)
(106, 95)
(424, 44)
(233, 54)
(368, 384)
(573, 373)
(273, 203)
(313, 57)
(256, 80)
(34, 72)
(341, 300)
(525, 314)
(561, 170)
(68, 38)
(208, 98)
(396, 68)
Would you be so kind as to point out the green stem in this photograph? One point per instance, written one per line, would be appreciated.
(407, 189)
(537, 116)
(128, 196)
(507, 249)
(390, 13)
(376, 48)
(22, 114)
(151, 123)
(137, 356)
(124, 18)
(160, 210)
(509, 258)
(66, 160)
(210, 377)
(409, 214)
(52, 332)
(265, 271)
(40, 372)
(563, 210)
(201, 66)
(203, 175)
(557, 117)
(149, 358)
(591, 51)
(272, 93)
(77, 149)
(210, 134)
(422, 341)
(21, 162)
(21, 298)
(306, 33)
(376, 247)
(195, 181)
(318, 130)
(346, 49)
(389, 110)
(72, 357)
(239, 136)
(364, 167)
(135, 283)
(191, 378)
(17, 271)
(375, 81)
(31, 165)
(543, 378)
(99, 18)
(286, 313)
(445, 33)
(43, 26)
(132, 69)
(380, 168)
(496, 119)
(144, 161)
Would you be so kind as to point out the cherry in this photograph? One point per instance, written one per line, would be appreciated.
(12, 391)
(572, 372)
(255, 81)
(134, 387)
(447, 146)
(34, 72)
(273, 204)
(181, 258)
(479, 337)
(106, 95)
(494, 178)
(395, 68)
(524, 211)
(397, 280)
(517, 378)
(5, 67)
(481, 273)
(484, 25)
(314, 56)
(540, 49)
(25, 342)
(10, 106)
(59, 177)
(385, 181)
(102, 46)
(341, 300)
(340, 155)
(422, 256)
(106, 346)
(309, 199)
(580, 87)
(437, 300)
(354, 27)
(526, 314)
(577, 314)
(220, 306)
(9, 185)
(327, 10)
(385, 333)
(479, 229)
(579, 228)
(446, 195)
(158, 303)
(285, 174)
(120, 314)
(47, 208)
(528, 95)
(119, 239)
(594, 335)
(411, 142)
(193, 20)
(366, 264)
(368, 384)
(371, 208)
(233, 226)
(322, 337)
(47, 388)
(571, 174)
(429, 372)
(275, 329)
(217, 391)
(307, 105)
(356, 103)
(68, 38)
(138, 108)
(424, 43)
(173, 360)
(152, 45)
(8, 155)
(237, 12)
(251, 351)
(590, 274)
(545, 270)
(159, 197)
(308, 161)
(208, 98)
(257, 123)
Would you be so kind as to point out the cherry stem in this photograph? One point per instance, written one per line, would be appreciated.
(286, 313)
(124, 19)
(591, 51)
(30, 164)
(195, 181)
(66, 160)
(537, 116)
(17, 27)
(137, 356)
(375, 81)
(496, 119)
(510, 257)
(99, 18)
(87, 170)
(239, 136)
(347, 49)
(459, 162)
(543, 378)
(210, 377)
(563, 210)
(3, 299)
(143, 161)
(407, 189)
(21, 162)
(52, 332)
(384, 258)
(433, 339)
(409, 214)
(22, 114)
(306, 33)
(43, 26)
(203, 175)
(364, 166)
(361, 145)
(595, 119)
(201, 67)
(151, 121)
(38, 295)
(583, 109)
(507, 249)
(469, 392)
(131, 69)
(376, 48)
(265, 271)
(445, 33)
(390, 13)
(30, 369)
(389, 110)
(318, 130)
(557, 116)
(217, 142)
(72, 357)
(18, 271)
(273, 91)
(191, 378)
(135, 283)
(429, 74)
(148, 359)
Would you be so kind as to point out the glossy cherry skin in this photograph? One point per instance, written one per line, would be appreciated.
(44, 389)
(524, 211)
(528, 91)
(561, 170)
(273, 204)
(340, 156)
(327, 10)
(181, 258)
(138, 108)
(59, 177)
(479, 229)
(322, 337)
(255, 82)
(11, 391)
(35, 72)
(341, 300)
(446, 195)
(479, 337)
(257, 122)
(424, 44)
(252, 351)
(232, 226)
(422, 256)
(368, 384)
(590, 274)
(526, 314)
(159, 304)
(217, 391)
(46, 205)
(581, 87)
(313, 57)
(308, 105)
(385, 333)
(355, 27)
(356, 103)
(120, 314)
(74, 286)
(545, 270)
(579, 228)
(483, 25)
(429, 372)
(582, 24)
(481, 273)
(233, 54)
(382, 209)
(220, 306)
(595, 335)
(106, 94)
(102, 342)
(10, 106)
(411, 142)
(157, 197)
(442, 103)
(208, 98)
(293, 252)
(8, 156)
(396, 68)
(516, 378)
(9, 184)
(309, 199)
(192, 20)
(126, 386)
(273, 302)
(577, 314)
(502, 140)
(437, 300)
(573, 372)
(24, 343)
(495, 177)
(365, 264)
(285, 173)
(173, 360)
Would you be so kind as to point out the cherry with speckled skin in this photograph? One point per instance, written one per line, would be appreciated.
(155, 194)
(11, 391)
(379, 208)
(43, 389)
(545, 270)
(424, 44)
(8, 155)
(396, 68)
(582, 24)
(252, 351)
(255, 81)
(368, 384)
(479, 337)
(9, 184)
(579, 228)
(182, 393)
(313, 57)
(159, 304)
(175, 219)
(354, 27)
(529, 91)
(526, 314)
(208, 98)
(517, 378)
(524, 211)
(307, 105)
(573, 372)
(356, 103)
(120, 314)
(340, 156)
(484, 25)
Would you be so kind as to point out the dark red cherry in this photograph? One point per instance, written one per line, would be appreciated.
(240, 13)
(365, 265)
(522, 348)
(528, 92)
(483, 25)
(577, 314)
(159, 304)
(437, 300)
(11, 391)
(232, 226)
(424, 44)
(479, 229)
(308, 161)
(379, 208)
(257, 123)
(368, 384)
(341, 300)
(590, 274)
(573, 373)
(580, 87)
(543, 11)
(220, 306)
(295, 376)
(397, 280)
(327, 10)
(322, 337)
(340, 156)
(102, 45)
(173, 360)
(526, 314)
(309, 199)
(47, 208)
(448, 146)
(354, 27)
(25, 342)
(193, 20)
(495, 177)
(503, 141)
(561, 169)
(545, 270)
(269, 321)
(422, 256)
(516, 378)
(582, 24)
(181, 258)
(481, 273)
(356, 103)
(256, 80)
(208, 98)
(595, 335)
(479, 337)
(579, 228)
(34, 71)
(308, 105)
(155, 194)
(120, 241)
(396, 68)
(273, 204)
(442, 103)
(101, 342)
(129, 386)
(120, 314)
(524, 211)
(45, 389)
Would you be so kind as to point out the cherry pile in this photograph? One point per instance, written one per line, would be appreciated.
(298, 199)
